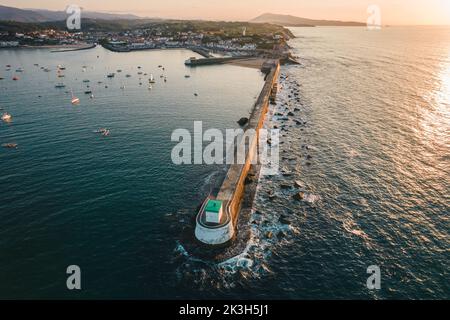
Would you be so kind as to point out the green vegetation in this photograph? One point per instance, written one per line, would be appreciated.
(225, 29)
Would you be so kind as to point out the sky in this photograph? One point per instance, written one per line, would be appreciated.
(393, 12)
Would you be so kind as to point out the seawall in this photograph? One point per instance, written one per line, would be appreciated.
(233, 187)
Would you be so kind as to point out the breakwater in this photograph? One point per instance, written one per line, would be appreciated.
(233, 187)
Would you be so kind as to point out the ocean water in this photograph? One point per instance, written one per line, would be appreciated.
(365, 124)
(70, 196)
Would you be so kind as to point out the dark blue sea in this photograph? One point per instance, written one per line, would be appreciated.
(367, 142)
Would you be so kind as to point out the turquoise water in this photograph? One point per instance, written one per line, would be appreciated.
(365, 124)
(368, 140)
(373, 155)
(71, 196)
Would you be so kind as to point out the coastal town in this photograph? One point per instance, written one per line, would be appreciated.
(229, 39)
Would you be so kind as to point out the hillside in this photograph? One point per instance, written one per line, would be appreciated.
(293, 21)
(38, 15)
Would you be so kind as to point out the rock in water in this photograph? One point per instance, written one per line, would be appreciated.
(299, 196)
(299, 184)
(243, 121)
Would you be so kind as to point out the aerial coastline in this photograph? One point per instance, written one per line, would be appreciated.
(277, 157)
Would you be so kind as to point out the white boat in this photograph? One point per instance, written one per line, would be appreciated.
(6, 117)
(75, 100)
(10, 145)
(152, 79)
(60, 85)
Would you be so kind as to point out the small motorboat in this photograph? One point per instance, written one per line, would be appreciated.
(196, 94)
(60, 85)
(103, 131)
(187, 76)
(10, 145)
(88, 92)
(128, 76)
(119, 71)
(19, 70)
(111, 75)
(150, 87)
(74, 100)
(15, 78)
(152, 79)
(86, 81)
(6, 117)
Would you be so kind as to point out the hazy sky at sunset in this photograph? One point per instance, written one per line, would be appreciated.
(393, 11)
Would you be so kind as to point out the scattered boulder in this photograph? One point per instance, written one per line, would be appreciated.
(281, 235)
(284, 220)
(299, 196)
(285, 186)
(299, 184)
(243, 121)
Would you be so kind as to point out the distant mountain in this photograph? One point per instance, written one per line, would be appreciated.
(292, 21)
(62, 15)
(20, 15)
(38, 15)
